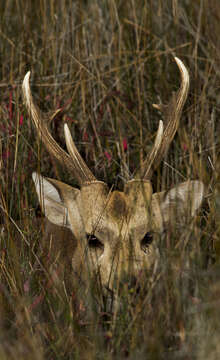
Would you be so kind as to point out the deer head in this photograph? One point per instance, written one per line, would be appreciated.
(116, 232)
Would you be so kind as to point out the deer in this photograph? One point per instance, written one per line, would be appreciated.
(114, 232)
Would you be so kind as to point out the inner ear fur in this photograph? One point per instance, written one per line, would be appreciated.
(181, 202)
(50, 200)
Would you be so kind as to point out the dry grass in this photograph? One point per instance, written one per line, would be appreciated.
(105, 63)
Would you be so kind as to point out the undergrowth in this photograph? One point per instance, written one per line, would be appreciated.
(104, 63)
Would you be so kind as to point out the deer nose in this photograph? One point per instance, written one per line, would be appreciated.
(129, 283)
(132, 283)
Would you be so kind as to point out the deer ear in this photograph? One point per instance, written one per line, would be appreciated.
(178, 203)
(50, 201)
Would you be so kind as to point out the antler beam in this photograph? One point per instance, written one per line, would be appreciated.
(172, 113)
(74, 162)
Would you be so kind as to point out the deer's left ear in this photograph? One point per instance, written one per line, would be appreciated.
(181, 201)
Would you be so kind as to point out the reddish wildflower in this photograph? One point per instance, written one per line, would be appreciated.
(85, 136)
(6, 154)
(109, 157)
(125, 144)
(27, 286)
(184, 147)
(21, 120)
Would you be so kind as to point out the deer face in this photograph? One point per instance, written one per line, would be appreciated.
(116, 232)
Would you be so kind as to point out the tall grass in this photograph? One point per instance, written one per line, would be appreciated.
(104, 63)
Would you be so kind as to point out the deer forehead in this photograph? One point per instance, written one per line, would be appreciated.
(116, 213)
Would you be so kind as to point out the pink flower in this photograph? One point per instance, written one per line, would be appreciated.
(185, 147)
(125, 144)
(21, 120)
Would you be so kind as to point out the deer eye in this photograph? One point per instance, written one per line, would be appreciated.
(146, 241)
(94, 242)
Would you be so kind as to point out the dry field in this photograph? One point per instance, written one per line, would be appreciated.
(104, 63)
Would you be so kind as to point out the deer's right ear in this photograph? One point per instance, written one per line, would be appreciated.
(179, 203)
(50, 201)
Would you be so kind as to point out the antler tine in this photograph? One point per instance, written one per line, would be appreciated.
(76, 157)
(76, 164)
(151, 157)
(172, 115)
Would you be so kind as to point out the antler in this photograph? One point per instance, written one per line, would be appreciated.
(172, 113)
(74, 161)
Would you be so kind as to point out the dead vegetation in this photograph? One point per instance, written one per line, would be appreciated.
(104, 64)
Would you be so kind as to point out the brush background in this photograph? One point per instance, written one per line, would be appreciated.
(105, 63)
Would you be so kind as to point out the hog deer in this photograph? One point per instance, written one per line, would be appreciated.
(114, 231)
